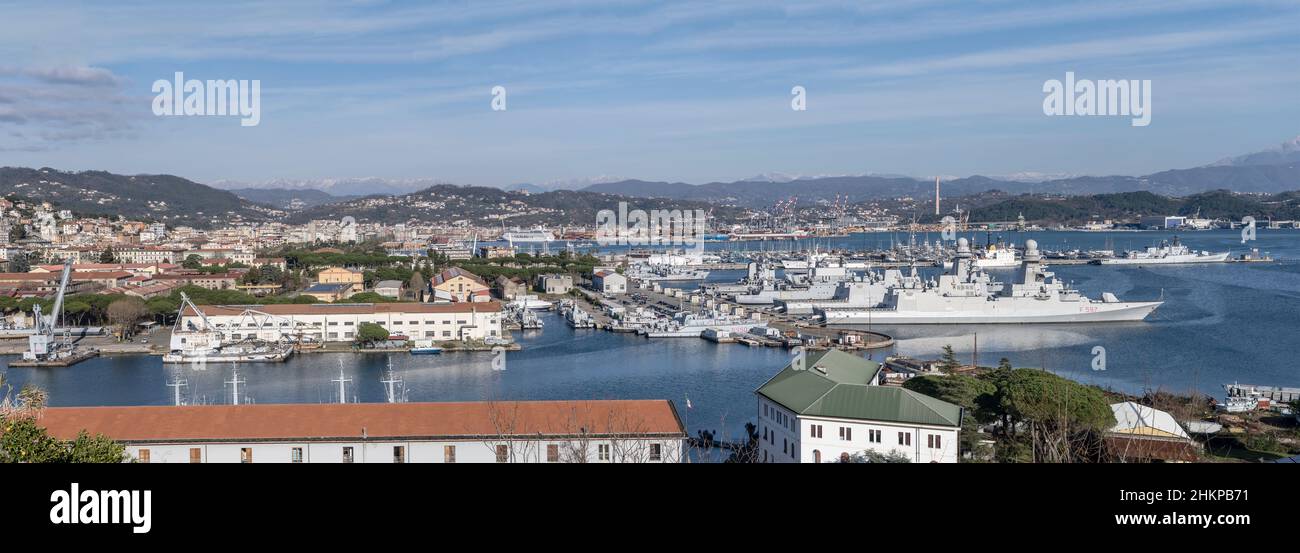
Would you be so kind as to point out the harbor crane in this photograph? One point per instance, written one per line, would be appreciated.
(41, 345)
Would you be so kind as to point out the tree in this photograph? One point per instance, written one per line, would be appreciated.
(948, 363)
(1064, 418)
(957, 389)
(23, 440)
(367, 297)
(107, 256)
(192, 261)
(966, 391)
(19, 263)
(371, 332)
(127, 311)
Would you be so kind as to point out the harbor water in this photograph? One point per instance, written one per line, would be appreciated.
(1221, 323)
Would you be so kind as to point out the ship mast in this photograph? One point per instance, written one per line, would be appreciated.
(342, 380)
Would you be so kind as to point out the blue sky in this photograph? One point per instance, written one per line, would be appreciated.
(681, 91)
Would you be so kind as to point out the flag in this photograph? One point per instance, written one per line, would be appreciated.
(688, 402)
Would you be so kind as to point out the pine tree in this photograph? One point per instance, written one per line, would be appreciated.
(948, 362)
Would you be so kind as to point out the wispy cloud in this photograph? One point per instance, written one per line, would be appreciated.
(628, 87)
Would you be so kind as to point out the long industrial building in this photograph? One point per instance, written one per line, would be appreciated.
(608, 431)
(338, 322)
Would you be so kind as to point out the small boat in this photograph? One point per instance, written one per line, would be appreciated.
(426, 350)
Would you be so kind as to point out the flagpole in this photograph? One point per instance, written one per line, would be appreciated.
(688, 425)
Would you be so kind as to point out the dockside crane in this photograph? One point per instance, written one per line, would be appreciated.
(41, 345)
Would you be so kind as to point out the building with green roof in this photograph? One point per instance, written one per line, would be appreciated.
(825, 406)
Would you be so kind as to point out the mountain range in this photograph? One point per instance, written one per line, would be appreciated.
(1265, 172)
(490, 206)
(179, 201)
(166, 198)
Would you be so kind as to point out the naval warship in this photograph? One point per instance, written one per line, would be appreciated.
(967, 295)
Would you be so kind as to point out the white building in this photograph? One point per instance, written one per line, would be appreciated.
(146, 255)
(612, 431)
(607, 281)
(339, 322)
(828, 406)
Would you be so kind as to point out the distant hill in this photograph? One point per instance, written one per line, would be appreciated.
(1129, 206)
(524, 187)
(489, 206)
(166, 198)
(1286, 153)
(283, 198)
(1267, 172)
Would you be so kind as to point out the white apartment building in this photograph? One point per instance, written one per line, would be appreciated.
(146, 255)
(829, 406)
(338, 322)
(608, 431)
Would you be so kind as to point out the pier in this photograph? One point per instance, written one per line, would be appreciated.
(794, 331)
(68, 361)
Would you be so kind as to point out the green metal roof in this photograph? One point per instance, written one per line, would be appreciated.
(838, 385)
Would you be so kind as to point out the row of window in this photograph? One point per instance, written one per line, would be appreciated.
(399, 454)
(935, 441)
(781, 419)
(336, 323)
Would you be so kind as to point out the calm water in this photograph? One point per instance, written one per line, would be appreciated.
(1220, 323)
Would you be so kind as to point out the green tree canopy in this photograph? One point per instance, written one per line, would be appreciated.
(371, 332)
(23, 440)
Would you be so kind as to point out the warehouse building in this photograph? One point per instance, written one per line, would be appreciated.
(338, 322)
(610, 431)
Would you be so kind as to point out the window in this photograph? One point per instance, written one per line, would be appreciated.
(602, 452)
(904, 438)
(816, 430)
(656, 452)
(399, 454)
(245, 454)
(449, 454)
(874, 437)
(552, 453)
(142, 456)
(347, 455)
(935, 441)
(503, 453)
(196, 455)
(295, 455)
(846, 433)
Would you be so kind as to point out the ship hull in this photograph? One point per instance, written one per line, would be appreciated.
(1179, 260)
(1085, 313)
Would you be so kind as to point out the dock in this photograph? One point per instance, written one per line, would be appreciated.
(63, 362)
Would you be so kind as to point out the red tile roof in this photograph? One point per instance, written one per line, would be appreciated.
(375, 420)
(75, 276)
